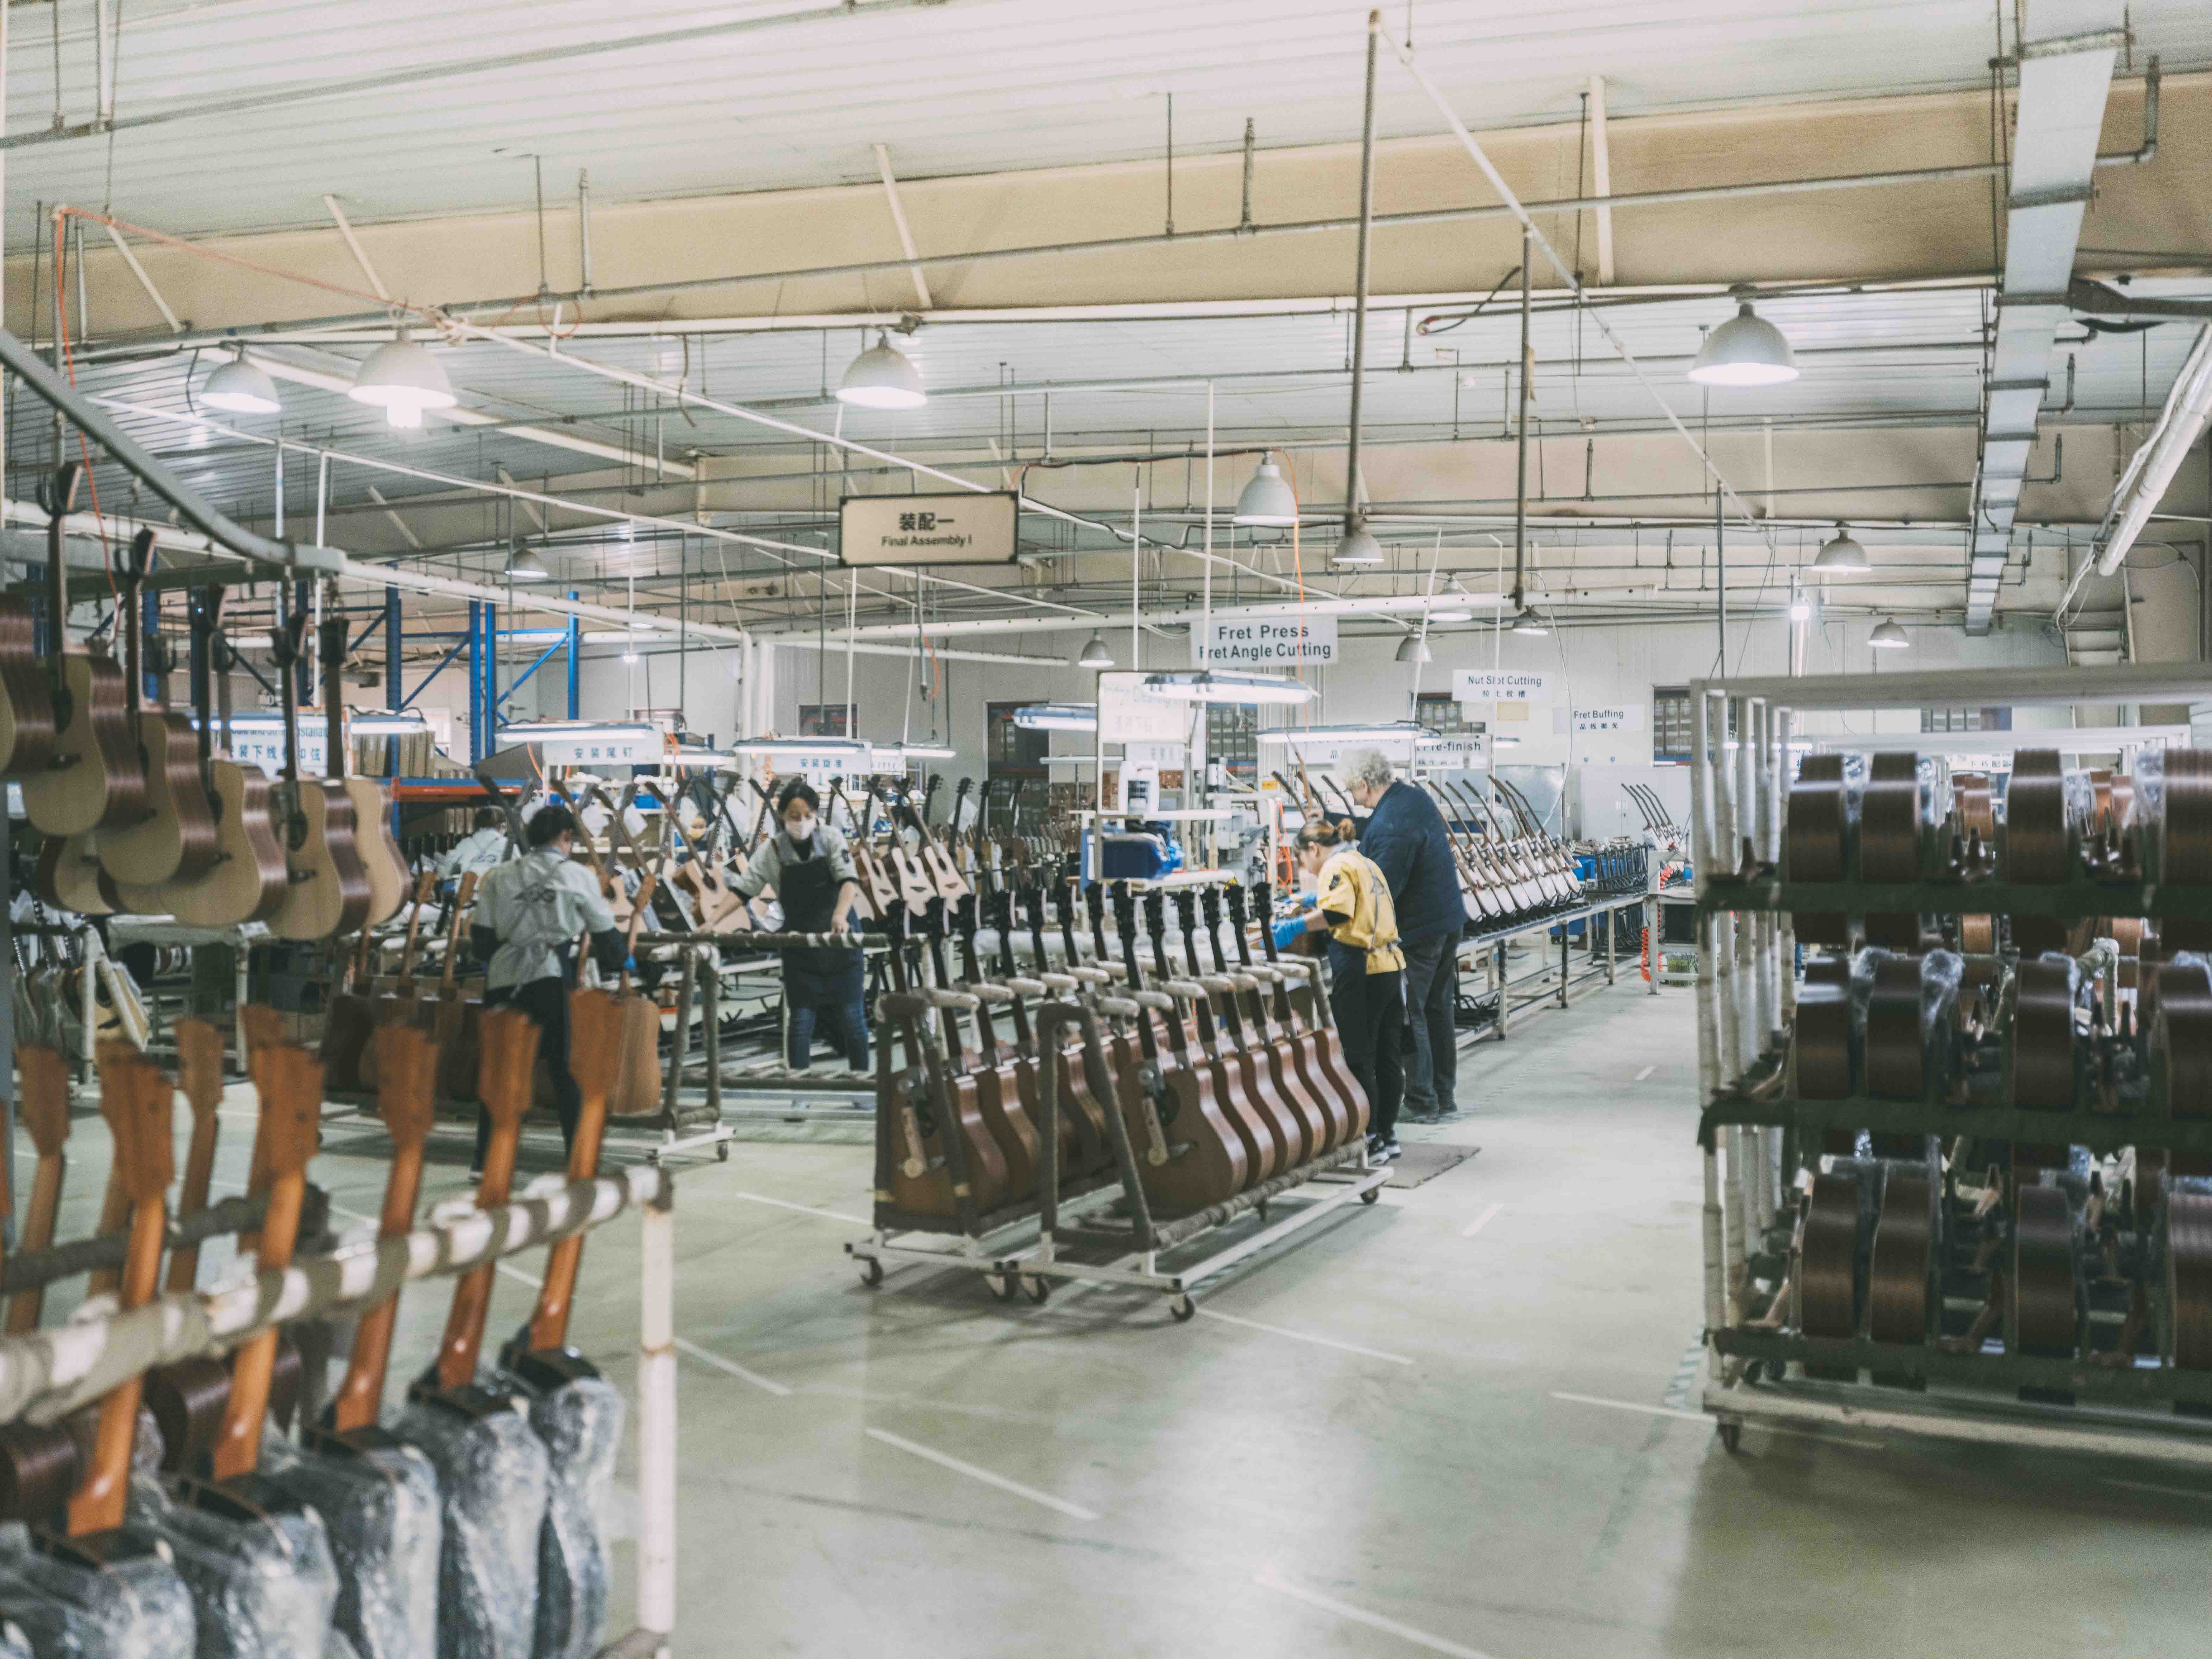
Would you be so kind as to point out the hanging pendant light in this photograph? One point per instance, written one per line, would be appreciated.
(1268, 501)
(526, 566)
(1842, 552)
(239, 386)
(1094, 653)
(403, 380)
(1745, 350)
(1359, 546)
(1414, 648)
(883, 377)
(1529, 626)
(1888, 636)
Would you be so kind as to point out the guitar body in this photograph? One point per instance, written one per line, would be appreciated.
(69, 876)
(328, 892)
(27, 705)
(178, 840)
(636, 1090)
(1094, 1150)
(1205, 1161)
(1261, 1139)
(999, 1099)
(454, 1028)
(380, 861)
(247, 881)
(95, 779)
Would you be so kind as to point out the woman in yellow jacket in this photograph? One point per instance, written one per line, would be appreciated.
(1351, 903)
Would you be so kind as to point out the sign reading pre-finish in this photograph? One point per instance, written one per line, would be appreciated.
(959, 528)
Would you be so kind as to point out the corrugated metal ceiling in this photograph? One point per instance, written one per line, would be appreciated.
(966, 87)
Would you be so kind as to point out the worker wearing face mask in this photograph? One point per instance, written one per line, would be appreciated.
(812, 869)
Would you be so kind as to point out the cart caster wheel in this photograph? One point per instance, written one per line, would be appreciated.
(721, 1151)
(872, 1271)
(1004, 1288)
(1371, 1196)
(1037, 1288)
(1184, 1309)
(1731, 1436)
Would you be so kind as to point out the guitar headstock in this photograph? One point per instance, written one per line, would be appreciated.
(1156, 916)
(1125, 909)
(1237, 912)
(289, 1081)
(1210, 905)
(45, 1104)
(406, 1083)
(199, 1064)
(507, 1050)
(135, 1098)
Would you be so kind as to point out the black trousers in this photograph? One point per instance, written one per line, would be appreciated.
(1370, 1014)
(546, 1002)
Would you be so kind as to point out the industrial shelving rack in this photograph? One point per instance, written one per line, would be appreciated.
(1743, 734)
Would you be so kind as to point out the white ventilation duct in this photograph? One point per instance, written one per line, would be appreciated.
(2180, 423)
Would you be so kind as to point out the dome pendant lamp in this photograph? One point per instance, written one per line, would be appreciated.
(1888, 636)
(1095, 653)
(1269, 502)
(1359, 546)
(241, 387)
(1841, 553)
(1745, 350)
(883, 377)
(405, 380)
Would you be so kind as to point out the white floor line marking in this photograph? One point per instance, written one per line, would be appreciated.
(1632, 1405)
(517, 1273)
(804, 1209)
(1305, 1336)
(1480, 1221)
(708, 1357)
(1268, 1577)
(1075, 1510)
(1645, 1072)
(2151, 1486)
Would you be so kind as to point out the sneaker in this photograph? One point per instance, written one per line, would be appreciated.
(1380, 1151)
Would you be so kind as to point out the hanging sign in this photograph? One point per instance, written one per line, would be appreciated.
(1621, 717)
(1500, 685)
(1282, 641)
(958, 528)
(255, 747)
(1126, 715)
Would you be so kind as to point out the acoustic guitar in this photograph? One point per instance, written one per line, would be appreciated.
(176, 837)
(329, 892)
(247, 880)
(1280, 1078)
(1260, 1136)
(378, 854)
(636, 1089)
(27, 706)
(93, 779)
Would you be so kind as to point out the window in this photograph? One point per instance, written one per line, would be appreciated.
(1442, 714)
(1009, 751)
(1232, 738)
(826, 719)
(1670, 723)
(1965, 720)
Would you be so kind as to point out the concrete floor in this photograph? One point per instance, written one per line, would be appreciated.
(1454, 1423)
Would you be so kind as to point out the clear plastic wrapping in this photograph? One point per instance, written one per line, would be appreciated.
(263, 1589)
(580, 1423)
(1940, 972)
(492, 1474)
(380, 1509)
(132, 1609)
(2080, 796)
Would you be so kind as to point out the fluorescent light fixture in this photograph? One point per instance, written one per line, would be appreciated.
(526, 566)
(403, 380)
(1454, 614)
(883, 755)
(242, 388)
(1359, 546)
(645, 630)
(883, 377)
(1842, 552)
(1314, 737)
(1057, 717)
(1095, 653)
(1888, 636)
(774, 747)
(1204, 685)
(698, 757)
(578, 731)
(1745, 350)
(1504, 743)
(1268, 501)
(383, 723)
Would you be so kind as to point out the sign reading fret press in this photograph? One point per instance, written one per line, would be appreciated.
(1281, 641)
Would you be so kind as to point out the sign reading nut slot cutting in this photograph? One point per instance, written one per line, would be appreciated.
(956, 528)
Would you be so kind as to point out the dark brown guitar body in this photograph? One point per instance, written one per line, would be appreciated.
(94, 780)
(329, 892)
(247, 881)
(26, 704)
(176, 840)
(1207, 1164)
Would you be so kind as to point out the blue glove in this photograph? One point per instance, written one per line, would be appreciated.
(1307, 901)
(629, 964)
(1289, 932)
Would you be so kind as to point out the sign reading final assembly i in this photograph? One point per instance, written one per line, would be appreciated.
(960, 528)
(1284, 642)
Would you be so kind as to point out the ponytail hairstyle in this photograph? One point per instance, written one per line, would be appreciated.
(1326, 832)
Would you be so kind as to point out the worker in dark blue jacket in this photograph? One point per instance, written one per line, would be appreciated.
(1405, 835)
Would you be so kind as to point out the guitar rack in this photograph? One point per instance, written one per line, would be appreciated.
(1560, 980)
(1062, 1229)
(1865, 1103)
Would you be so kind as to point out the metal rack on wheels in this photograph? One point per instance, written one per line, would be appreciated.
(1559, 981)
(2115, 1378)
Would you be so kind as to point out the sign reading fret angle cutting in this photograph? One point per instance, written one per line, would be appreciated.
(958, 528)
(1264, 641)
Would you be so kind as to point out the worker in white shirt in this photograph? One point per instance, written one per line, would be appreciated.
(480, 850)
(529, 913)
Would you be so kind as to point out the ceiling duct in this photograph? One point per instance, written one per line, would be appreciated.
(2065, 68)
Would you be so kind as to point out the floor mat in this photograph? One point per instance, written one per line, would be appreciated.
(1423, 1162)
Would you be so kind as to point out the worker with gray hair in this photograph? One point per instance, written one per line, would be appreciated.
(1405, 836)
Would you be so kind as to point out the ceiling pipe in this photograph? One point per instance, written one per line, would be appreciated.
(1352, 523)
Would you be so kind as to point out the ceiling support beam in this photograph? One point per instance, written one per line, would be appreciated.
(898, 218)
(1601, 179)
(353, 246)
(2065, 71)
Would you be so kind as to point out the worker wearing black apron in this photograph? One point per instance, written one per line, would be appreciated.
(812, 869)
